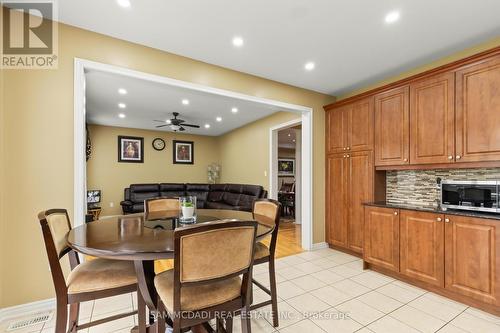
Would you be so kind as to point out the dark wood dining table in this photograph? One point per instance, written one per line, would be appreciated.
(144, 238)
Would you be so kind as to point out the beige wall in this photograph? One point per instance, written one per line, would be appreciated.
(104, 172)
(2, 186)
(38, 132)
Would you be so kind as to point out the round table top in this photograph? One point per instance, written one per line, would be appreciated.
(147, 237)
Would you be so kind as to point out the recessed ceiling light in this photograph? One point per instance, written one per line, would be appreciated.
(293, 140)
(289, 134)
(122, 91)
(234, 110)
(207, 125)
(238, 41)
(124, 3)
(185, 101)
(392, 17)
(218, 118)
(121, 115)
(309, 66)
(122, 105)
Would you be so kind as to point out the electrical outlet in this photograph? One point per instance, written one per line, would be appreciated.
(265, 173)
(111, 204)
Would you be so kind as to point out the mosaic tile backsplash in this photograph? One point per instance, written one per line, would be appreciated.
(419, 187)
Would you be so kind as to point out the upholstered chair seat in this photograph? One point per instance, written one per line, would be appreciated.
(101, 274)
(197, 297)
(261, 251)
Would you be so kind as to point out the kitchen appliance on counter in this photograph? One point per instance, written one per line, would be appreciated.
(471, 195)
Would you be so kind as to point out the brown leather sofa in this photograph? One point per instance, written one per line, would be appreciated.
(211, 196)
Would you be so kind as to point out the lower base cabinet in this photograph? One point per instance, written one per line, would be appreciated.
(459, 254)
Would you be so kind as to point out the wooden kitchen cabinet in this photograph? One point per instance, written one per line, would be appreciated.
(381, 245)
(422, 246)
(472, 248)
(336, 189)
(478, 111)
(432, 120)
(392, 127)
(336, 129)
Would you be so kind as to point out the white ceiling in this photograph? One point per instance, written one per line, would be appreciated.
(287, 137)
(348, 40)
(148, 101)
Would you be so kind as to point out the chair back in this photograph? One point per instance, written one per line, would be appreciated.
(55, 226)
(161, 204)
(268, 211)
(286, 187)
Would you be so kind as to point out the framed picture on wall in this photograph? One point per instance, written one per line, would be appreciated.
(286, 167)
(183, 152)
(130, 149)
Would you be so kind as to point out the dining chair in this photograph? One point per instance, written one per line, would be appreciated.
(161, 204)
(205, 281)
(268, 211)
(90, 280)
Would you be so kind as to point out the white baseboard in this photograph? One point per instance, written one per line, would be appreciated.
(319, 246)
(26, 309)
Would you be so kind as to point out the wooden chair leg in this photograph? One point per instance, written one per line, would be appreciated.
(218, 325)
(274, 294)
(177, 326)
(61, 316)
(74, 312)
(229, 324)
(160, 317)
(246, 326)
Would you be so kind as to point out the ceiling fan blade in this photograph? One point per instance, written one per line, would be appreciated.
(161, 126)
(180, 121)
(182, 129)
(189, 125)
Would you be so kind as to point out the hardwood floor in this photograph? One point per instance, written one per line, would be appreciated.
(289, 240)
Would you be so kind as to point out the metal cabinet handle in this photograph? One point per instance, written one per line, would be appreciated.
(345, 148)
(348, 155)
(458, 157)
(406, 160)
(348, 148)
(447, 220)
(450, 157)
(439, 219)
(395, 213)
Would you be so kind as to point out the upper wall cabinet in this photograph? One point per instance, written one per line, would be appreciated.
(478, 112)
(432, 120)
(392, 127)
(350, 127)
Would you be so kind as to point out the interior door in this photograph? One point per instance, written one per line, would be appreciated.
(478, 112)
(472, 248)
(336, 131)
(360, 191)
(360, 125)
(432, 120)
(381, 246)
(392, 126)
(336, 199)
(422, 246)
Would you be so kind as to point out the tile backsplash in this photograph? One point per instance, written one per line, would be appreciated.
(419, 187)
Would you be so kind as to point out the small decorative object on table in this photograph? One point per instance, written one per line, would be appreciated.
(188, 209)
(213, 173)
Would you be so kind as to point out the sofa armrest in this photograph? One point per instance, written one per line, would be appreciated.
(127, 206)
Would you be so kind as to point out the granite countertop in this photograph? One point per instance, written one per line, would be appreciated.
(484, 215)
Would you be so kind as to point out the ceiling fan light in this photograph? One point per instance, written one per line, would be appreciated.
(174, 127)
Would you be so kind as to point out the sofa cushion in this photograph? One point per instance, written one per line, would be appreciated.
(216, 192)
(172, 190)
(249, 194)
(141, 192)
(218, 205)
(232, 194)
(200, 191)
(253, 190)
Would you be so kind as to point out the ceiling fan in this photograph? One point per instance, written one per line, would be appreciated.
(176, 124)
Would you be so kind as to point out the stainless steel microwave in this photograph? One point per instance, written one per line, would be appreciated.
(471, 195)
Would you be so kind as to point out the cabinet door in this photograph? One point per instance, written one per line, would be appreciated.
(360, 191)
(478, 112)
(336, 199)
(336, 131)
(360, 126)
(422, 246)
(381, 246)
(472, 248)
(392, 125)
(432, 120)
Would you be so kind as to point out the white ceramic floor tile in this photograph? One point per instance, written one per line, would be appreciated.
(474, 324)
(308, 304)
(445, 301)
(403, 295)
(409, 287)
(350, 287)
(417, 319)
(483, 315)
(372, 280)
(325, 252)
(331, 295)
(291, 272)
(308, 282)
(262, 278)
(259, 325)
(278, 264)
(292, 260)
(113, 304)
(388, 324)
(357, 265)
(440, 310)
(288, 290)
(112, 326)
(380, 302)
(309, 255)
(302, 326)
(324, 263)
(288, 315)
(334, 321)
(259, 295)
(327, 276)
(451, 329)
(344, 271)
(359, 311)
(309, 267)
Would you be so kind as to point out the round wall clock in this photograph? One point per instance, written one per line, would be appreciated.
(158, 144)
